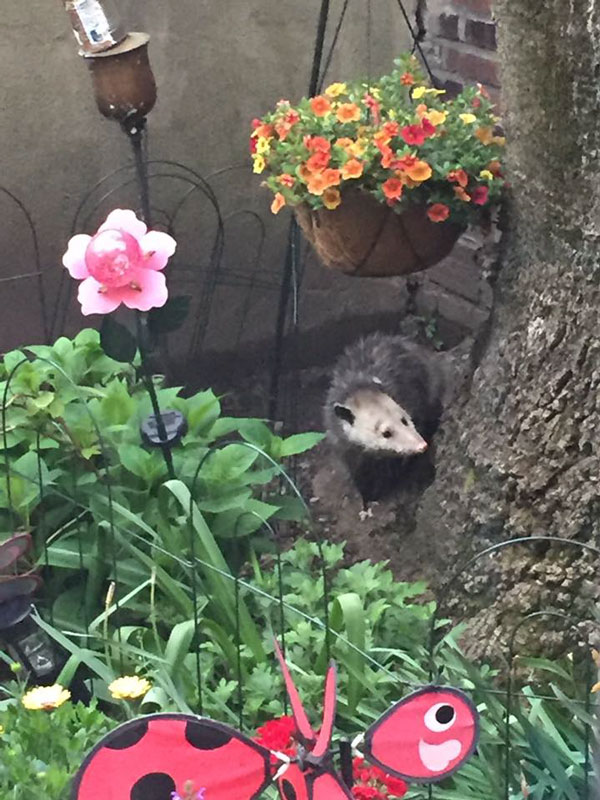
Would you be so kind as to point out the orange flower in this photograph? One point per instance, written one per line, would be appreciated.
(286, 179)
(419, 171)
(278, 203)
(387, 156)
(495, 167)
(320, 105)
(344, 142)
(406, 181)
(406, 162)
(332, 176)
(461, 194)
(303, 172)
(485, 135)
(458, 176)
(348, 112)
(392, 189)
(264, 132)
(282, 128)
(317, 183)
(317, 144)
(438, 212)
(352, 169)
(318, 161)
(421, 110)
(331, 198)
(407, 79)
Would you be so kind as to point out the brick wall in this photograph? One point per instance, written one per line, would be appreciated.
(460, 43)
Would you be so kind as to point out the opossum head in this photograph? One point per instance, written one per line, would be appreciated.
(371, 419)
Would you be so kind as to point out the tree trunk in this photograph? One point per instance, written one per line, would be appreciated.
(519, 452)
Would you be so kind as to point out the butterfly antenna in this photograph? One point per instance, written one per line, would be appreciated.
(329, 705)
(306, 733)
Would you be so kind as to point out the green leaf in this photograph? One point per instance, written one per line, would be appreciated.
(117, 341)
(178, 645)
(171, 316)
(299, 443)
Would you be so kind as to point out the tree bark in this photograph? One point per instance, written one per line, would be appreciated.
(519, 452)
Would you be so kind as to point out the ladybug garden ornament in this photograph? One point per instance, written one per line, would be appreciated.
(424, 738)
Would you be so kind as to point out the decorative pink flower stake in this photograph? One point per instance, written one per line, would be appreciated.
(120, 264)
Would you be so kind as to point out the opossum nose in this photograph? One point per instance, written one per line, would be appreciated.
(422, 447)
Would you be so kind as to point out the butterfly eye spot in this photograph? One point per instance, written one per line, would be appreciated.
(440, 717)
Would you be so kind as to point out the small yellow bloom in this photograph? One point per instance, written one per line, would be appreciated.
(130, 687)
(485, 135)
(499, 140)
(1, 730)
(375, 93)
(421, 91)
(358, 148)
(259, 163)
(262, 146)
(45, 697)
(331, 198)
(392, 114)
(468, 119)
(486, 175)
(435, 117)
(336, 89)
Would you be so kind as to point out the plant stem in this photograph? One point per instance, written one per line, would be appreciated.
(140, 321)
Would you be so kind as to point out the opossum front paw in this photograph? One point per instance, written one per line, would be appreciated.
(365, 513)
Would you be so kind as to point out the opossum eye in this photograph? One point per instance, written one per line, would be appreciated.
(343, 413)
(387, 434)
(404, 421)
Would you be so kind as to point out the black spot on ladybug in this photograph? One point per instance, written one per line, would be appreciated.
(444, 715)
(288, 790)
(206, 737)
(154, 786)
(129, 736)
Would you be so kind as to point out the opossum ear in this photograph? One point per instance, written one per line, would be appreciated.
(343, 412)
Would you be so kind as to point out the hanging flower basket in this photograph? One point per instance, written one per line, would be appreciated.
(368, 239)
(383, 176)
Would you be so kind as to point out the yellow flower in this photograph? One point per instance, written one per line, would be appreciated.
(468, 119)
(420, 91)
(485, 135)
(358, 148)
(486, 175)
(259, 163)
(392, 114)
(499, 140)
(130, 687)
(1, 730)
(436, 117)
(331, 198)
(45, 697)
(375, 93)
(336, 89)
(262, 146)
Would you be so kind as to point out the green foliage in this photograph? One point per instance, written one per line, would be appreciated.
(41, 751)
(102, 503)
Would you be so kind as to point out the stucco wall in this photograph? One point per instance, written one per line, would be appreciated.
(217, 64)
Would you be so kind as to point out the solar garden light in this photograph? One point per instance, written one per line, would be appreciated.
(24, 640)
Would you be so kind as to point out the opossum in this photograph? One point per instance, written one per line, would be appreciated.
(382, 410)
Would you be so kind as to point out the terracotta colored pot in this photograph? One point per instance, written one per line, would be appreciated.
(365, 238)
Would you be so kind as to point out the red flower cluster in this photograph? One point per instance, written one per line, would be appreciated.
(372, 783)
(278, 734)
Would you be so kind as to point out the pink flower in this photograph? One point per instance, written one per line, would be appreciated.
(479, 195)
(122, 263)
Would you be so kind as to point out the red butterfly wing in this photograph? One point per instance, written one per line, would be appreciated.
(292, 784)
(426, 736)
(152, 757)
(327, 786)
(311, 785)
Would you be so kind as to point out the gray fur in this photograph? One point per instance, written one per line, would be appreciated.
(390, 365)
